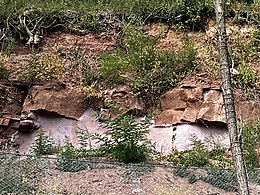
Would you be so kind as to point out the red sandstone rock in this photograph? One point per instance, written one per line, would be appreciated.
(55, 99)
(200, 98)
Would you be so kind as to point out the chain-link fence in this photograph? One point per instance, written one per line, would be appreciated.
(24, 174)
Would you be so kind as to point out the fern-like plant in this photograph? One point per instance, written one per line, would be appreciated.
(126, 140)
(43, 145)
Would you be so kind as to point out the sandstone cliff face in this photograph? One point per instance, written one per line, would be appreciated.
(60, 110)
(51, 103)
(199, 99)
(55, 99)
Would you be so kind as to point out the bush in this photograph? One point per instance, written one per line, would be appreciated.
(43, 145)
(44, 67)
(3, 73)
(250, 143)
(151, 71)
(198, 156)
(126, 140)
(246, 80)
(161, 71)
(69, 160)
(222, 178)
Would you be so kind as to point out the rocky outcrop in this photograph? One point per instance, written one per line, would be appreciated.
(199, 99)
(121, 100)
(54, 99)
(11, 100)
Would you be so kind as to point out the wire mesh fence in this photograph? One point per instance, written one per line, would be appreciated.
(24, 174)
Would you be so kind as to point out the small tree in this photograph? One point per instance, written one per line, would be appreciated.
(126, 140)
(43, 145)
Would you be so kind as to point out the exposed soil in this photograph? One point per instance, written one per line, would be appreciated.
(119, 180)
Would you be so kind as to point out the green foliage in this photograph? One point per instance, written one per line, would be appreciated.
(200, 156)
(244, 11)
(8, 44)
(251, 142)
(151, 71)
(218, 159)
(19, 175)
(69, 160)
(43, 145)
(3, 73)
(194, 14)
(95, 16)
(83, 64)
(126, 140)
(192, 178)
(246, 53)
(85, 141)
(43, 67)
(245, 80)
(161, 71)
(197, 156)
(137, 50)
(222, 178)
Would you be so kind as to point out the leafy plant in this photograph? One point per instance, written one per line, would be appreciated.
(250, 143)
(222, 178)
(85, 140)
(192, 178)
(246, 80)
(3, 72)
(161, 71)
(126, 140)
(44, 67)
(151, 70)
(43, 145)
(197, 156)
(69, 160)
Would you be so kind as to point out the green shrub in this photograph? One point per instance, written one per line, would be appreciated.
(43, 145)
(126, 140)
(245, 80)
(85, 141)
(3, 73)
(250, 143)
(161, 71)
(151, 71)
(222, 178)
(197, 156)
(68, 159)
(45, 66)
(180, 171)
(95, 16)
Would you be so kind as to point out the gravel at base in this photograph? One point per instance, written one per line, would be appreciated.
(122, 181)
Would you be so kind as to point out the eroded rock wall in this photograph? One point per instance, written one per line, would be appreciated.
(199, 100)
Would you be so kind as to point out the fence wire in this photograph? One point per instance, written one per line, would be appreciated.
(24, 174)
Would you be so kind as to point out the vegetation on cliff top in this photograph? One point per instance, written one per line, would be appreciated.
(136, 60)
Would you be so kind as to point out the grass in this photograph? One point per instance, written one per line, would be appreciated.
(82, 16)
